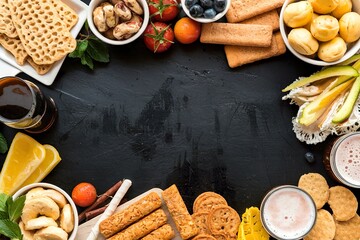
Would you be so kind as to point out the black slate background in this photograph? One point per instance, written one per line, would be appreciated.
(182, 117)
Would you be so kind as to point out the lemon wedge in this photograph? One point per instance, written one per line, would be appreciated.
(52, 158)
(24, 156)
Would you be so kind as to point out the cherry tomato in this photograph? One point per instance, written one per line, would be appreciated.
(158, 37)
(84, 194)
(187, 30)
(163, 10)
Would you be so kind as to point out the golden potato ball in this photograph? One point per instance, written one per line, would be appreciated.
(324, 27)
(349, 25)
(332, 50)
(302, 41)
(343, 7)
(324, 6)
(298, 14)
(308, 26)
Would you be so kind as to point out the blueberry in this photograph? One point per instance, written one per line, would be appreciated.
(310, 157)
(189, 3)
(219, 5)
(196, 10)
(210, 13)
(206, 3)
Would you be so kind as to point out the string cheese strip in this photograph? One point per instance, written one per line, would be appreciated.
(110, 209)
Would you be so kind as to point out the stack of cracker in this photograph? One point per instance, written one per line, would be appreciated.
(146, 220)
(214, 218)
(37, 32)
(250, 34)
(344, 222)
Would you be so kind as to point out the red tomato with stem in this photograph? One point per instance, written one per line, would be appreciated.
(158, 37)
(163, 10)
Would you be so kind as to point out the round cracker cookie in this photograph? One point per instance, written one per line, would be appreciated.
(221, 237)
(349, 229)
(324, 227)
(224, 220)
(207, 201)
(204, 237)
(200, 219)
(343, 203)
(316, 185)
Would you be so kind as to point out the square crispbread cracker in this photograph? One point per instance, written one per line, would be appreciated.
(243, 9)
(343, 203)
(317, 186)
(324, 227)
(15, 47)
(236, 34)
(346, 230)
(40, 69)
(44, 35)
(268, 18)
(224, 220)
(239, 55)
(66, 13)
(6, 25)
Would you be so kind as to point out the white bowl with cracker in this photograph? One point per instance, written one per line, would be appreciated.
(202, 19)
(48, 210)
(118, 27)
(303, 42)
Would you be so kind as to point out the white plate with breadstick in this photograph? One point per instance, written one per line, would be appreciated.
(38, 44)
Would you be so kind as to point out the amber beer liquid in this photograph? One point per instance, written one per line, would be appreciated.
(288, 212)
(342, 159)
(23, 106)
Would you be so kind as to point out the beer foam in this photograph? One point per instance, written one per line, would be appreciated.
(347, 159)
(288, 213)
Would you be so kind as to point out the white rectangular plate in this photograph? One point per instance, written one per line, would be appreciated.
(81, 9)
(85, 228)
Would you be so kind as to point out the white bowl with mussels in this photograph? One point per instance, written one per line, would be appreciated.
(205, 11)
(118, 22)
(48, 211)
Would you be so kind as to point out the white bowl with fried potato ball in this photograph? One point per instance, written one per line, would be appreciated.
(301, 33)
(107, 36)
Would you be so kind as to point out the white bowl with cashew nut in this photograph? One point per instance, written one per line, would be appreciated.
(48, 213)
(118, 22)
(321, 32)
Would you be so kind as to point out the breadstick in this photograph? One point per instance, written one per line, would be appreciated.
(162, 233)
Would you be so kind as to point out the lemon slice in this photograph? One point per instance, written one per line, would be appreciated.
(52, 158)
(24, 156)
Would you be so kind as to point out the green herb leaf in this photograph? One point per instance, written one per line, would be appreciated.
(86, 60)
(3, 200)
(4, 215)
(80, 49)
(3, 144)
(98, 50)
(15, 208)
(10, 229)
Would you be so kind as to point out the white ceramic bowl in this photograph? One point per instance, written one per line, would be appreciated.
(94, 3)
(206, 20)
(352, 48)
(25, 189)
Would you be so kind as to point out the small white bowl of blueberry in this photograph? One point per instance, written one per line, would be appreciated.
(205, 11)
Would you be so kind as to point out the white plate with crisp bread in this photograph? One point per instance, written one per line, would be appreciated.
(47, 79)
(85, 228)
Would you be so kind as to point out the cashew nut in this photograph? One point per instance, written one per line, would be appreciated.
(40, 222)
(122, 11)
(113, 2)
(33, 193)
(51, 193)
(134, 6)
(100, 19)
(125, 30)
(110, 17)
(67, 218)
(136, 18)
(51, 233)
(40, 206)
(27, 235)
(109, 34)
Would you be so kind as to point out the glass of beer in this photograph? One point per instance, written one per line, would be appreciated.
(24, 106)
(288, 212)
(342, 159)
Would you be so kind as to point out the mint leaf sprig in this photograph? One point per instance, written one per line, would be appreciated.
(89, 48)
(3, 144)
(10, 212)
